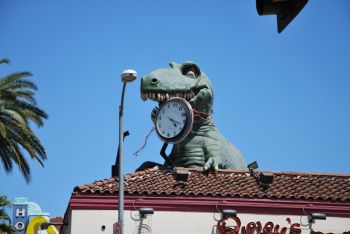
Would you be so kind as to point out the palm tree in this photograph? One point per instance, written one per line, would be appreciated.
(18, 109)
(5, 221)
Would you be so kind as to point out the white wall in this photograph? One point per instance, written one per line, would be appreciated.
(165, 222)
(91, 221)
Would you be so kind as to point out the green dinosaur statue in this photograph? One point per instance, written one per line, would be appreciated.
(205, 146)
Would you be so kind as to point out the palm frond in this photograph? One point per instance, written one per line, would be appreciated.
(25, 95)
(4, 216)
(4, 61)
(18, 108)
(4, 201)
(21, 162)
(7, 228)
(23, 136)
(5, 157)
(11, 81)
(27, 111)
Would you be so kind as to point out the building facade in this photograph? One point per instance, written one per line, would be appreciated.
(192, 201)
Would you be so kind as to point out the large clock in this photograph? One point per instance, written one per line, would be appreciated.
(174, 120)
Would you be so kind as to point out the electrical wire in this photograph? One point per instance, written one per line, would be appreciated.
(144, 143)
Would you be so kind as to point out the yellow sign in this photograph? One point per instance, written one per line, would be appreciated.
(34, 225)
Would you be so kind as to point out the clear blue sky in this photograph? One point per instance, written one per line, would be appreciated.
(282, 99)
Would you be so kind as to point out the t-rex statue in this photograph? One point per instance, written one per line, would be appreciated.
(205, 146)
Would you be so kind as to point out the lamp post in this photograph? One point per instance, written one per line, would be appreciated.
(126, 77)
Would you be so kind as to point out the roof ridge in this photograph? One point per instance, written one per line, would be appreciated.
(220, 171)
(142, 172)
(268, 171)
(308, 173)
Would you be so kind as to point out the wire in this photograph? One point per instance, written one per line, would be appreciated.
(144, 144)
(217, 208)
(302, 217)
(202, 116)
(134, 218)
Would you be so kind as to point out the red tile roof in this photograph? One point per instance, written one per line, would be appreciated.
(233, 183)
(57, 220)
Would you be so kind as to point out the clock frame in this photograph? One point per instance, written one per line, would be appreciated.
(174, 120)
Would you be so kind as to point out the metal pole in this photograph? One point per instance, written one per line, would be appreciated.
(120, 163)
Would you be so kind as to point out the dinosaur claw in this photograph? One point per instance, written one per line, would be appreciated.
(211, 164)
(154, 114)
(216, 168)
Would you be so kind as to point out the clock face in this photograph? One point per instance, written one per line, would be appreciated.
(174, 120)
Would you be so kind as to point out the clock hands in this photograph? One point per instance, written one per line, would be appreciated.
(173, 120)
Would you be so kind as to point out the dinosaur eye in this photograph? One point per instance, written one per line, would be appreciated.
(191, 73)
(190, 70)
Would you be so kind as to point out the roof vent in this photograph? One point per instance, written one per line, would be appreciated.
(181, 175)
(266, 179)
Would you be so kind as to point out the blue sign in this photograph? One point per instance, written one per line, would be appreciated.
(20, 218)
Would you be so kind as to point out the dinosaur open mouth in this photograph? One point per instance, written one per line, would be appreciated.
(162, 96)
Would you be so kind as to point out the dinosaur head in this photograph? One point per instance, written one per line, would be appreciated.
(184, 80)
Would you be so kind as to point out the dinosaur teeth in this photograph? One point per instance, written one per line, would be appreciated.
(160, 97)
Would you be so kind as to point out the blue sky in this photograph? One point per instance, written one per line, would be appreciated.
(282, 99)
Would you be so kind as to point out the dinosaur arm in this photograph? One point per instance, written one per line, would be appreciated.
(213, 157)
(203, 100)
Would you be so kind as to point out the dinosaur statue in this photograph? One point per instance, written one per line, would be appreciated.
(205, 146)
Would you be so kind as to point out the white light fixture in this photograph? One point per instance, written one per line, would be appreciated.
(128, 75)
(146, 211)
(318, 216)
(228, 213)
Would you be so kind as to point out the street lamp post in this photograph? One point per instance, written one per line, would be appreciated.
(127, 76)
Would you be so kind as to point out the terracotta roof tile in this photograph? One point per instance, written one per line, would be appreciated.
(288, 185)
